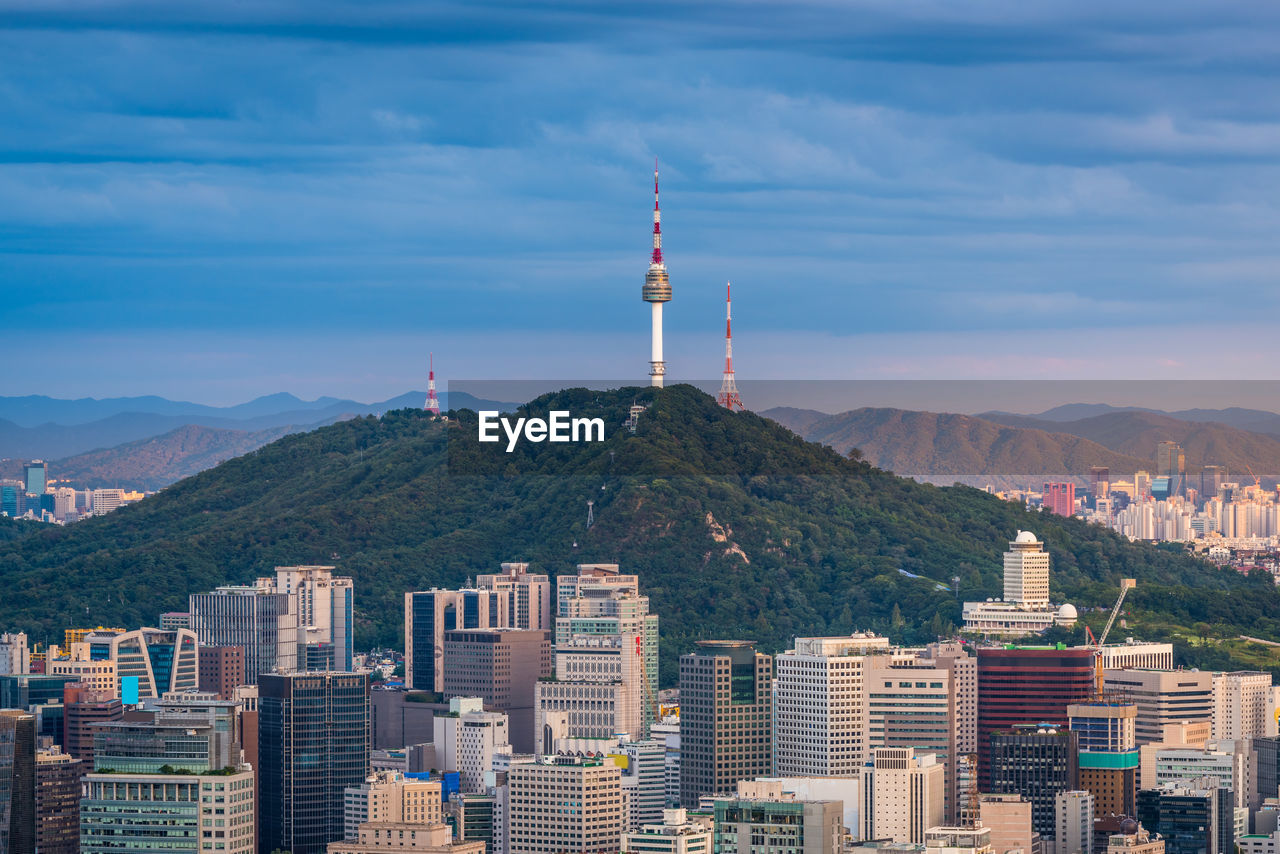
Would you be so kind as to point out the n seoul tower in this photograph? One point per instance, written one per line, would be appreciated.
(656, 290)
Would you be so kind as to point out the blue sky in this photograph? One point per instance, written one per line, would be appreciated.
(214, 200)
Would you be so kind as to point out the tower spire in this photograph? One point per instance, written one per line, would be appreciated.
(433, 403)
(656, 291)
(728, 396)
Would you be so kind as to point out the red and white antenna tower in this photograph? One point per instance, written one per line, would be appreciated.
(433, 403)
(728, 396)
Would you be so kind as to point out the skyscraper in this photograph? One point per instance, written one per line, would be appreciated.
(606, 656)
(256, 619)
(1162, 697)
(1027, 685)
(656, 291)
(1026, 572)
(529, 606)
(161, 661)
(903, 795)
(429, 614)
(540, 822)
(1037, 762)
(726, 717)
(313, 742)
(1059, 498)
(324, 604)
(57, 802)
(17, 781)
(35, 476)
(502, 667)
(1109, 757)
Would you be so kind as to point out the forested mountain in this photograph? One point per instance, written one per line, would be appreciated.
(737, 527)
(933, 443)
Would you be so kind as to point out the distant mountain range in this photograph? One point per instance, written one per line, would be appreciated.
(150, 442)
(1253, 420)
(995, 443)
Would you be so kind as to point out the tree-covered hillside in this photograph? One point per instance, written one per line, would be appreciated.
(736, 526)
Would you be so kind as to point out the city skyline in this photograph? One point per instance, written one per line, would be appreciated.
(216, 196)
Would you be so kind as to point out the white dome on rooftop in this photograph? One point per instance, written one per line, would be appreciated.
(1025, 537)
(1068, 612)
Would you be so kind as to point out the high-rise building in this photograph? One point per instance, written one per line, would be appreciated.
(429, 614)
(1109, 758)
(643, 779)
(467, 739)
(1059, 498)
(677, 833)
(1027, 685)
(1037, 761)
(1192, 818)
(190, 730)
(903, 795)
(32, 689)
(35, 477)
(221, 670)
(325, 607)
(1162, 698)
(656, 291)
(726, 717)
(313, 742)
(529, 605)
(540, 823)
(1099, 481)
(83, 709)
(1026, 572)
(606, 656)
(1267, 768)
(389, 797)
(15, 657)
(820, 727)
(1135, 654)
(175, 620)
(57, 801)
(1074, 822)
(161, 661)
(1171, 461)
(762, 817)
(98, 675)
(1243, 705)
(256, 619)
(17, 781)
(502, 667)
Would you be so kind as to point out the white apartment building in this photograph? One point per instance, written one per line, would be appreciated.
(468, 738)
(1243, 705)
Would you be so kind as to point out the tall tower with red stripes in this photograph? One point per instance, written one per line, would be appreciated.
(728, 396)
(433, 403)
(656, 291)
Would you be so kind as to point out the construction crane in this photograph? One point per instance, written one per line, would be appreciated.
(1126, 584)
(1257, 481)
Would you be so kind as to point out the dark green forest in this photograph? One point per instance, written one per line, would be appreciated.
(736, 526)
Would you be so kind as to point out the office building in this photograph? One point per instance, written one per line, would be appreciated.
(324, 606)
(421, 839)
(606, 656)
(473, 816)
(17, 781)
(1025, 608)
(15, 656)
(726, 712)
(1038, 762)
(643, 779)
(402, 718)
(190, 731)
(429, 614)
(1243, 705)
(1073, 811)
(35, 477)
(677, 833)
(167, 812)
(83, 709)
(529, 596)
(967, 839)
(1027, 685)
(256, 619)
(1267, 768)
(1059, 498)
(963, 667)
(1227, 763)
(175, 620)
(466, 740)
(762, 817)
(99, 675)
(1136, 654)
(820, 727)
(221, 670)
(32, 689)
(390, 797)
(540, 824)
(1008, 817)
(160, 661)
(313, 742)
(1162, 698)
(1192, 818)
(1109, 758)
(903, 795)
(502, 667)
(57, 801)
